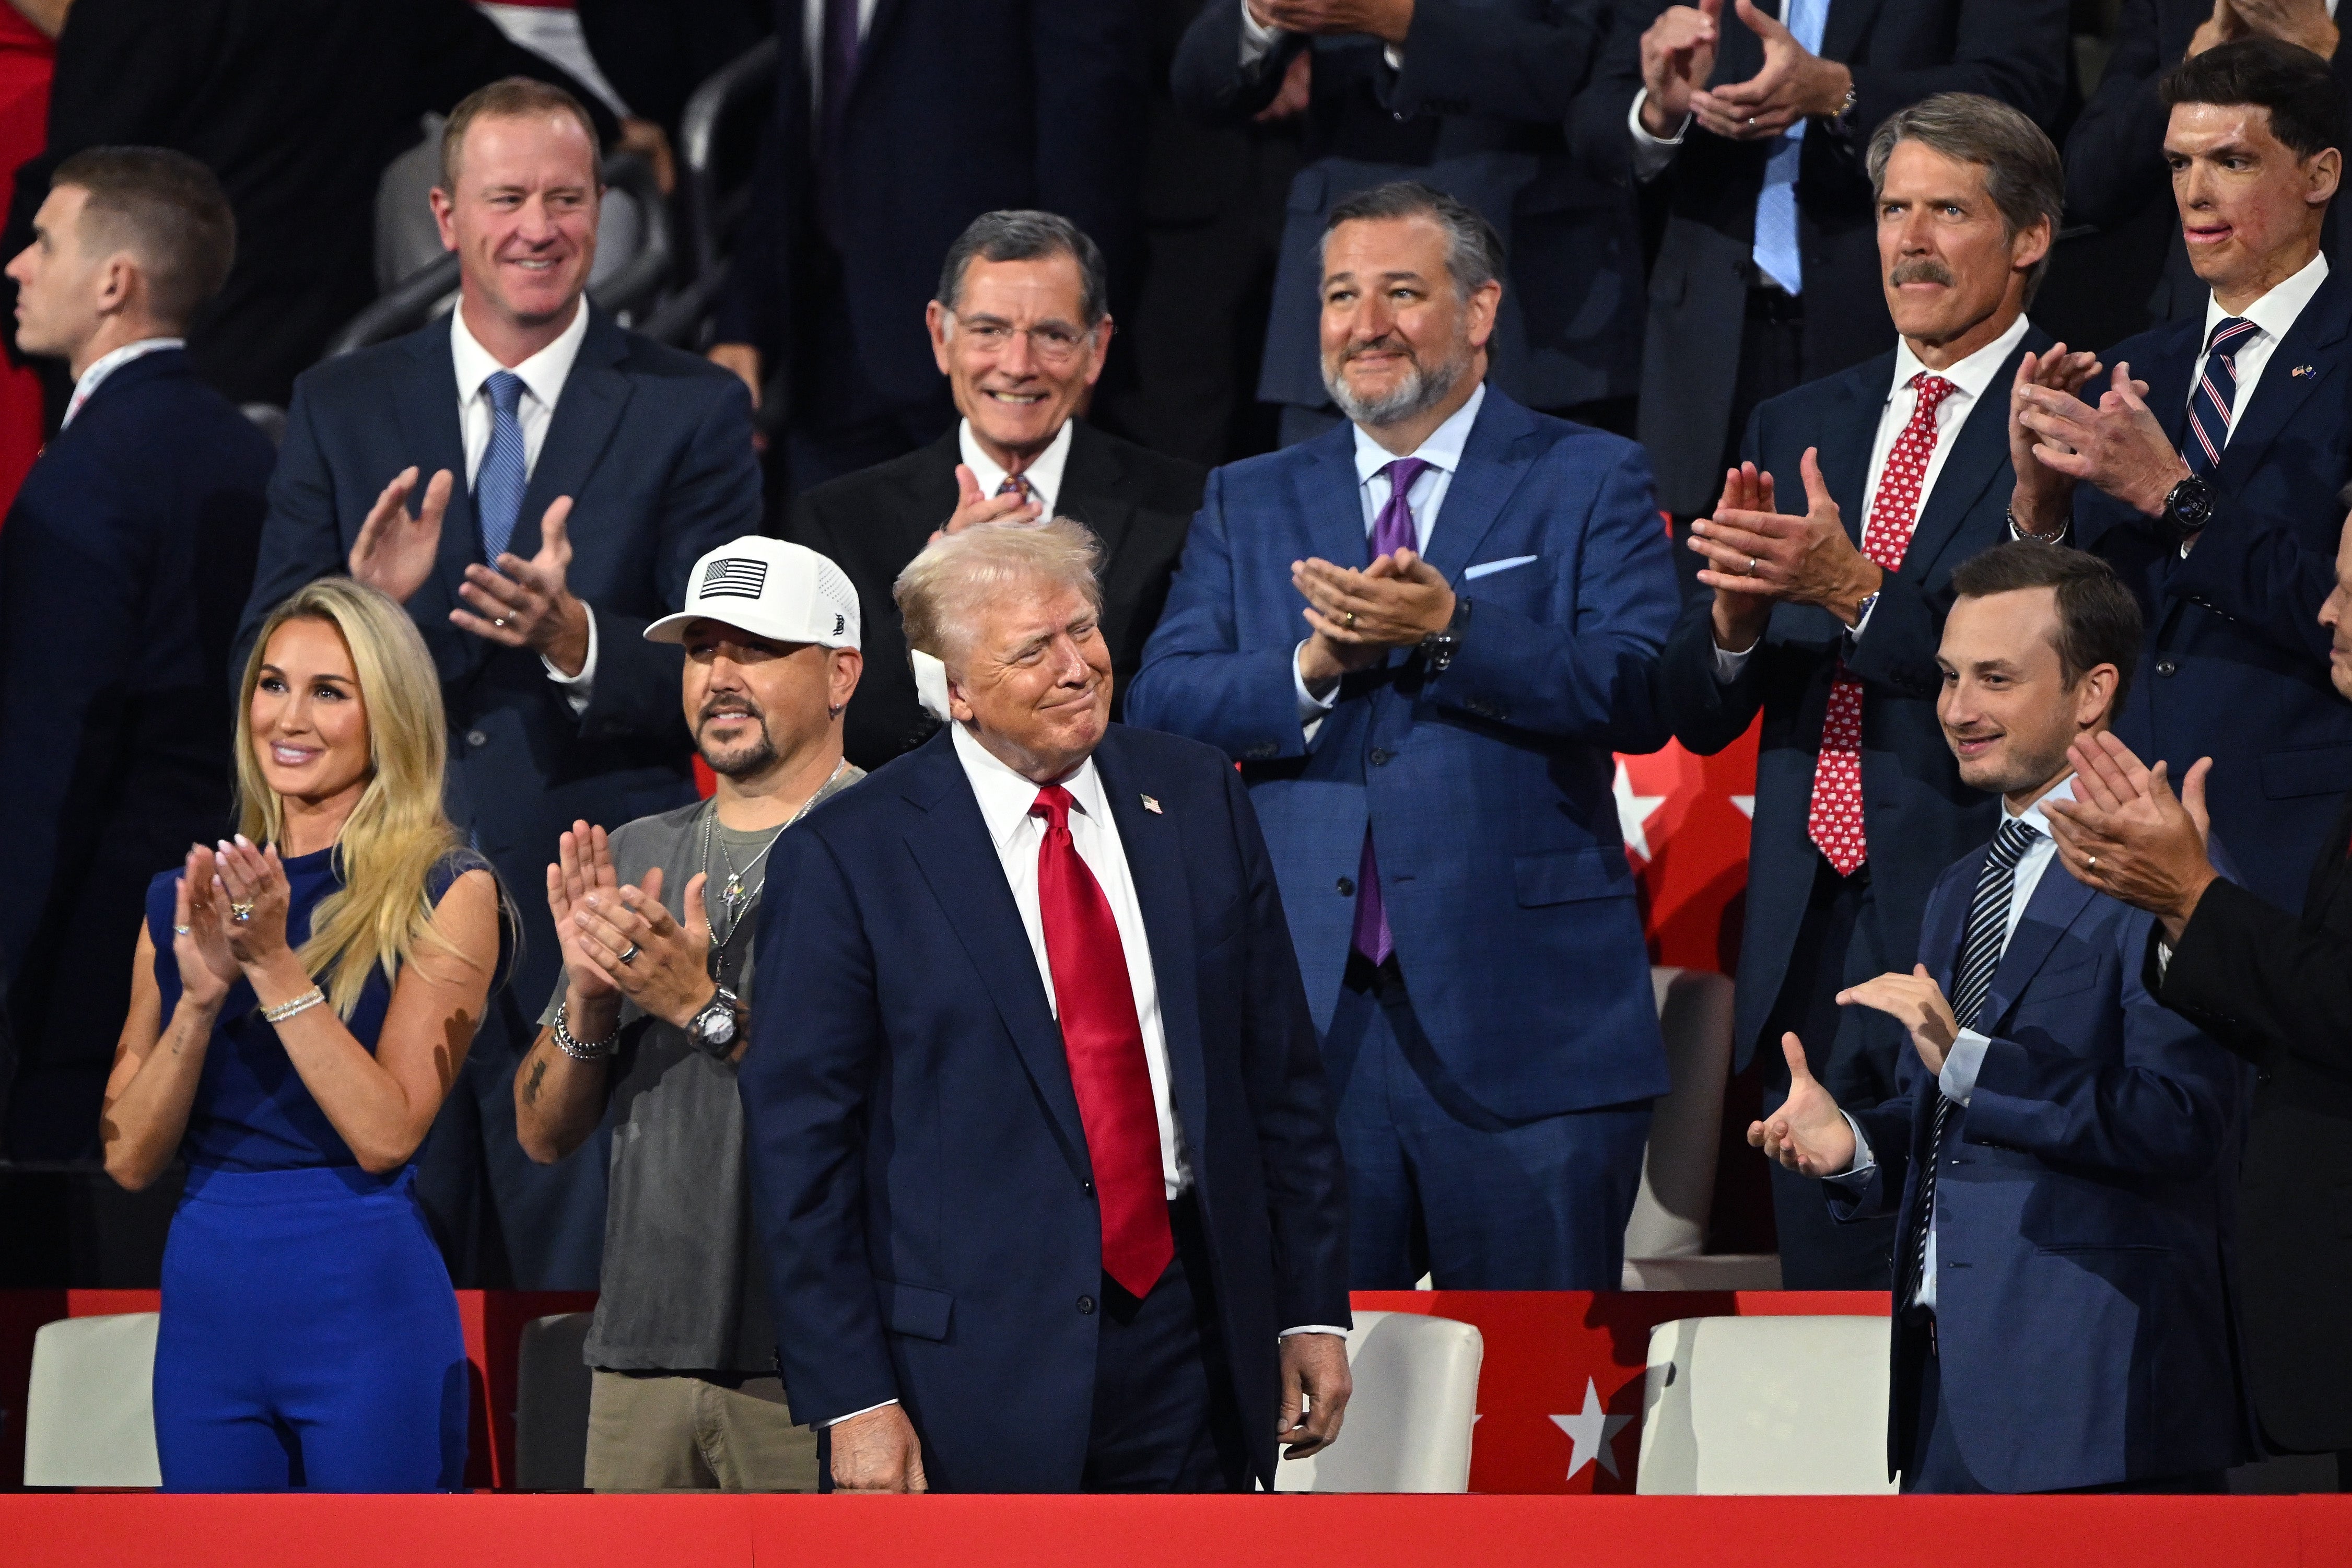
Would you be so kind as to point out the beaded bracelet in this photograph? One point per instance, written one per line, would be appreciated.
(581, 1050)
(302, 1004)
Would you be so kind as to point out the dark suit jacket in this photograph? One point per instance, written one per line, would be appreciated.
(872, 523)
(926, 151)
(2236, 661)
(124, 563)
(297, 105)
(2082, 1305)
(2114, 152)
(1487, 787)
(655, 447)
(1916, 814)
(1476, 110)
(2278, 991)
(920, 1169)
(1900, 51)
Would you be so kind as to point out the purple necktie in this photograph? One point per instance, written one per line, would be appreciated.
(837, 68)
(1392, 530)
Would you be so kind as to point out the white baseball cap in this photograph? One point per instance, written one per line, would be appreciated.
(786, 593)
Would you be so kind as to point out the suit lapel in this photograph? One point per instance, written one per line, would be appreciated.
(2305, 359)
(1493, 464)
(580, 430)
(1090, 485)
(426, 404)
(957, 858)
(1154, 845)
(2167, 377)
(931, 500)
(1330, 499)
(1979, 454)
(1847, 435)
(2058, 902)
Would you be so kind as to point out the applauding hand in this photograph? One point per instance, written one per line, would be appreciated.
(525, 604)
(1809, 1133)
(395, 551)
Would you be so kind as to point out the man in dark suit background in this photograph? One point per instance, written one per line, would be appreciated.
(2208, 475)
(1041, 1152)
(571, 473)
(1428, 739)
(1828, 621)
(123, 565)
(1469, 96)
(1020, 327)
(2061, 1161)
(2277, 990)
(896, 124)
(297, 105)
(1753, 128)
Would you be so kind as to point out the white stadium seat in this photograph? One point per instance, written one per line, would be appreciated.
(1409, 1420)
(89, 1413)
(1766, 1406)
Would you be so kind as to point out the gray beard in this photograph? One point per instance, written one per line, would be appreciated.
(1424, 389)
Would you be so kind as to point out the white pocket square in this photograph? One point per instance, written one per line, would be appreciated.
(1489, 568)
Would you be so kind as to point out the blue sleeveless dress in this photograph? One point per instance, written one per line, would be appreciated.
(310, 1335)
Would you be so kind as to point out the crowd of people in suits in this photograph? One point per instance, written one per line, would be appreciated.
(1196, 891)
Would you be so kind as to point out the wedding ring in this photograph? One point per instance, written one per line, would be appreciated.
(1751, 123)
(179, 930)
(500, 621)
(2090, 862)
(630, 952)
(1751, 566)
(240, 910)
(1350, 622)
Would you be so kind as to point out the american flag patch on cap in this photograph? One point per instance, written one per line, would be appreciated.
(739, 577)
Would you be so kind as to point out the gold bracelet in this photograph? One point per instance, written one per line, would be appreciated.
(302, 1004)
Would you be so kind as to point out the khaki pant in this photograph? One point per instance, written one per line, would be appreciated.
(657, 1434)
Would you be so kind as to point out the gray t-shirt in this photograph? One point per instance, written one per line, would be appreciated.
(684, 1287)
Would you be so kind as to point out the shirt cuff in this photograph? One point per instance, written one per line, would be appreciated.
(577, 689)
(1864, 1162)
(1961, 1065)
(1311, 707)
(2163, 960)
(856, 1414)
(1258, 41)
(1727, 664)
(1651, 153)
(1312, 1328)
(1862, 622)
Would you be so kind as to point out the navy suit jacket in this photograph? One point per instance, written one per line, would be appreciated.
(2235, 666)
(2084, 1201)
(1476, 109)
(124, 563)
(1488, 788)
(920, 1169)
(1916, 814)
(654, 448)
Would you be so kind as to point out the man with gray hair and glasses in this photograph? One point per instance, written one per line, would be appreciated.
(1423, 633)
(1041, 1151)
(1019, 327)
(1830, 556)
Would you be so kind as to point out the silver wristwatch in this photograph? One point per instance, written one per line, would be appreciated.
(713, 1029)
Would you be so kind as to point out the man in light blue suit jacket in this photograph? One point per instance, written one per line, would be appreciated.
(1432, 763)
(2060, 1155)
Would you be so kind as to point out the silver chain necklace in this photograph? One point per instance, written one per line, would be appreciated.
(732, 895)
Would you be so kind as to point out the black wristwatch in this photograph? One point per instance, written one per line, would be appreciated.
(713, 1028)
(2189, 506)
(1438, 648)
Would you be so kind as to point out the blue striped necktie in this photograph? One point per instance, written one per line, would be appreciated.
(1980, 951)
(498, 488)
(2216, 394)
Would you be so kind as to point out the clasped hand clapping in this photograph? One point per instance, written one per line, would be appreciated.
(619, 941)
(228, 916)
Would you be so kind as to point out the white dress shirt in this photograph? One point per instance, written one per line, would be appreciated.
(1965, 1060)
(551, 29)
(1442, 452)
(1970, 378)
(2272, 315)
(1043, 474)
(543, 375)
(107, 364)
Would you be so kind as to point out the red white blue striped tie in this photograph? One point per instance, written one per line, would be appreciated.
(2216, 394)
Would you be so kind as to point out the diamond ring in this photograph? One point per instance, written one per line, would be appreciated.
(240, 910)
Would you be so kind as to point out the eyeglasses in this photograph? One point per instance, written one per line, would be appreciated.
(1050, 343)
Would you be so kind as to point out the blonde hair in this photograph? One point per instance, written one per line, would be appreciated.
(937, 592)
(382, 917)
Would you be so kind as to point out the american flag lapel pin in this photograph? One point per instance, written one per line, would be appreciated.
(2301, 370)
(1151, 806)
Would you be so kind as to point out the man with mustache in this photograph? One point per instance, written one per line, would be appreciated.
(651, 1016)
(1419, 632)
(1830, 557)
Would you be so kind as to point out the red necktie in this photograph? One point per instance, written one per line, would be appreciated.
(1835, 820)
(1104, 1041)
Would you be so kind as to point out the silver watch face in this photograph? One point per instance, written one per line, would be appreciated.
(716, 1025)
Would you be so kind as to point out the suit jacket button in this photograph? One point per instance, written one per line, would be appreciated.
(476, 738)
(2165, 666)
(1086, 1306)
(1347, 886)
(1379, 758)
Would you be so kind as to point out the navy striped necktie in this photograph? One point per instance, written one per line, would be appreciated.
(1980, 951)
(2216, 396)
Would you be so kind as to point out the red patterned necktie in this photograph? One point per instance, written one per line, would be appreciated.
(1015, 484)
(1835, 820)
(1104, 1040)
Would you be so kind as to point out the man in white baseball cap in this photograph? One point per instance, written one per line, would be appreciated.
(651, 1016)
